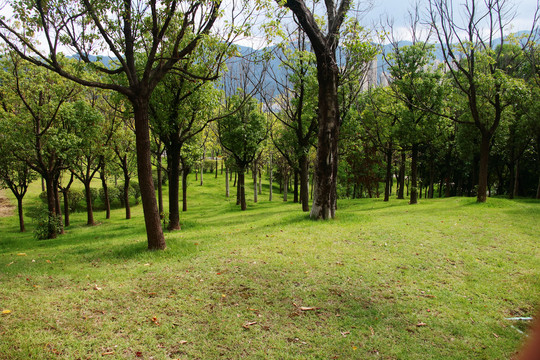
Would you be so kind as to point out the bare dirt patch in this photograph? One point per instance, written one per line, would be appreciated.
(6, 208)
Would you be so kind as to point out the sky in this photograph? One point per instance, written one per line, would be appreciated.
(398, 11)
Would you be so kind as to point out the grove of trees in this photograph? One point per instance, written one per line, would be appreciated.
(122, 89)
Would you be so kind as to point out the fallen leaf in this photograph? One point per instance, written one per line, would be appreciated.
(248, 324)
(107, 353)
(21, 254)
(96, 287)
(372, 331)
(48, 261)
(138, 354)
(308, 308)
(497, 336)
(10, 263)
(354, 348)
(345, 333)
(5, 312)
(183, 342)
(147, 264)
(421, 324)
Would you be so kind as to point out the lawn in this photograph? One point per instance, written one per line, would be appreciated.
(382, 281)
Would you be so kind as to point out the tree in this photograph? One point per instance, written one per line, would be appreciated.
(88, 125)
(241, 134)
(324, 46)
(474, 64)
(41, 138)
(124, 145)
(164, 31)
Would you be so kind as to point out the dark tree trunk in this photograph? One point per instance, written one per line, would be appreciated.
(325, 178)
(89, 210)
(66, 208)
(483, 168)
(154, 232)
(173, 164)
(237, 184)
(217, 166)
(185, 173)
(42, 184)
(227, 182)
(285, 187)
(387, 186)
(515, 190)
(304, 182)
(295, 193)
(51, 203)
(241, 189)
(401, 189)
(105, 192)
(159, 185)
(126, 197)
(20, 211)
(270, 180)
(254, 176)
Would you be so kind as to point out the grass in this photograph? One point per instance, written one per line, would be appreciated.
(382, 281)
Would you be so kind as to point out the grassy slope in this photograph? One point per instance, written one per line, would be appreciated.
(373, 275)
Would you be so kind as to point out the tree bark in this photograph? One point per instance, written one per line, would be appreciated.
(295, 189)
(66, 208)
(105, 192)
(159, 185)
(242, 190)
(154, 232)
(270, 180)
(285, 187)
(89, 210)
(173, 164)
(254, 175)
(51, 201)
(20, 211)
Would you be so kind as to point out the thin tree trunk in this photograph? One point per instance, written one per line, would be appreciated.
(285, 187)
(66, 208)
(304, 183)
(387, 185)
(483, 168)
(51, 201)
(254, 175)
(515, 190)
(414, 175)
(89, 210)
(105, 193)
(241, 189)
(159, 185)
(126, 197)
(20, 211)
(260, 182)
(227, 182)
(42, 184)
(401, 189)
(216, 166)
(173, 165)
(270, 178)
(185, 173)
(295, 189)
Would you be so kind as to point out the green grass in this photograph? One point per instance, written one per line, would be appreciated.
(231, 284)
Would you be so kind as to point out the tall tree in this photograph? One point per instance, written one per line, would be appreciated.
(324, 45)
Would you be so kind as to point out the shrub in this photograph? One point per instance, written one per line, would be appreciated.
(47, 223)
(114, 194)
(74, 199)
(135, 191)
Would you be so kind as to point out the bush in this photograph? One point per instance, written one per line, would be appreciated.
(114, 194)
(47, 223)
(74, 198)
(163, 179)
(135, 191)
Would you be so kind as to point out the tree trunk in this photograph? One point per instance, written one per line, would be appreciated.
(325, 177)
(154, 232)
(401, 189)
(304, 182)
(185, 173)
(159, 185)
(89, 210)
(285, 187)
(51, 201)
(42, 184)
(202, 167)
(295, 189)
(254, 175)
(216, 166)
(414, 175)
(227, 182)
(241, 189)
(66, 208)
(105, 192)
(515, 190)
(387, 186)
(483, 168)
(20, 211)
(260, 182)
(173, 165)
(270, 180)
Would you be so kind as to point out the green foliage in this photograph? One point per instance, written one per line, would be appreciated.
(47, 224)
(135, 191)
(75, 197)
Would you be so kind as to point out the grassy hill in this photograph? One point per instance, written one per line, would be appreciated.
(383, 281)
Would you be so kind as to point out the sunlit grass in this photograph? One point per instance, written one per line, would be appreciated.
(384, 280)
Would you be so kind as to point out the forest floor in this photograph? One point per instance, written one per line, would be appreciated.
(436, 280)
(6, 207)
